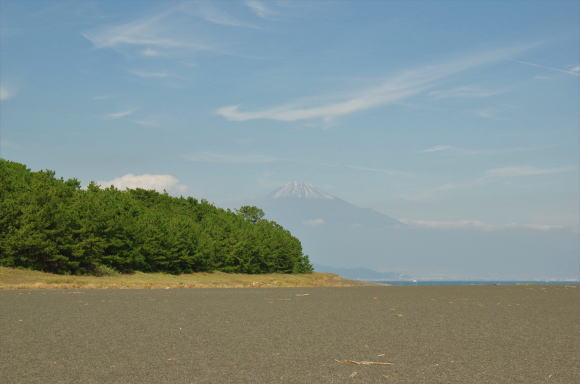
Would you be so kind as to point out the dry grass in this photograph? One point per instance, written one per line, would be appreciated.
(11, 278)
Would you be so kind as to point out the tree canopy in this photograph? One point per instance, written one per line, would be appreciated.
(53, 225)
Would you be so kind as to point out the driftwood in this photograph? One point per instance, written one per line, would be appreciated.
(363, 362)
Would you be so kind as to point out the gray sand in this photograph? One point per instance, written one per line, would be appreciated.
(465, 334)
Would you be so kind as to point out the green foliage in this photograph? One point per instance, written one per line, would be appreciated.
(53, 225)
(104, 270)
(251, 213)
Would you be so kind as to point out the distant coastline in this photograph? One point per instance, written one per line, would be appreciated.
(475, 282)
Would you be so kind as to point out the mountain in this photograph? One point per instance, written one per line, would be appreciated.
(299, 203)
(339, 235)
(298, 190)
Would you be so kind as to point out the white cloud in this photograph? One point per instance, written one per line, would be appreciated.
(102, 97)
(476, 225)
(450, 149)
(401, 86)
(216, 16)
(5, 93)
(490, 176)
(260, 9)
(148, 52)
(149, 75)
(525, 171)
(429, 194)
(439, 148)
(167, 31)
(465, 92)
(224, 158)
(314, 222)
(487, 113)
(147, 123)
(118, 115)
(389, 172)
(7, 144)
(572, 71)
(158, 183)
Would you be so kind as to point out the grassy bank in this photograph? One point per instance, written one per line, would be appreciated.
(11, 278)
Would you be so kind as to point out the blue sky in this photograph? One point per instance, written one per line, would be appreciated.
(444, 114)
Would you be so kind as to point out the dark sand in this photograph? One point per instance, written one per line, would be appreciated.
(434, 334)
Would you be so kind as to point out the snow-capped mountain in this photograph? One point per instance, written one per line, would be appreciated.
(338, 234)
(298, 203)
(299, 190)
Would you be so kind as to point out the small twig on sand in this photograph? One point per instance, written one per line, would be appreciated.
(363, 362)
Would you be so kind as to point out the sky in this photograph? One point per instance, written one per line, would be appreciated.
(438, 113)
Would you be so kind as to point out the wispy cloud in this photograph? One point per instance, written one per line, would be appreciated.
(6, 93)
(7, 144)
(158, 183)
(489, 177)
(573, 71)
(487, 113)
(525, 171)
(388, 172)
(155, 35)
(477, 225)
(224, 158)
(452, 150)
(465, 92)
(214, 15)
(102, 97)
(147, 123)
(314, 222)
(396, 88)
(151, 75)
(118, 115)
(148, 52)
(260, 9)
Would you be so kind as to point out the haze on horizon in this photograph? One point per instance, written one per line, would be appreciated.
(440, 114)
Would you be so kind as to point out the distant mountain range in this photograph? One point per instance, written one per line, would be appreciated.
(365, 244)
(362, 273)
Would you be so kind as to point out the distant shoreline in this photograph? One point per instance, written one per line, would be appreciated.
(474, 282)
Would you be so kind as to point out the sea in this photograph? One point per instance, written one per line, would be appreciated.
(472, 282)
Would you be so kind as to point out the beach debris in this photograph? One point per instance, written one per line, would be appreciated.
(363, 362)
(399, 315)
(381, 355)
(172, 359)
(354, 374)
(303, 294)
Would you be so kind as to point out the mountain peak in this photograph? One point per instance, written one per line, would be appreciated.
(300, 190)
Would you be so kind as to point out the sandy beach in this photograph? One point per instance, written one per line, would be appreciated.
(428, 334)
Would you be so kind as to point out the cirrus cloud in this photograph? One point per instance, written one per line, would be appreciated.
(477, 225)
(396, 88)
(225, 158)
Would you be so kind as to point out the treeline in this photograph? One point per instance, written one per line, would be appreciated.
(52, 225)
